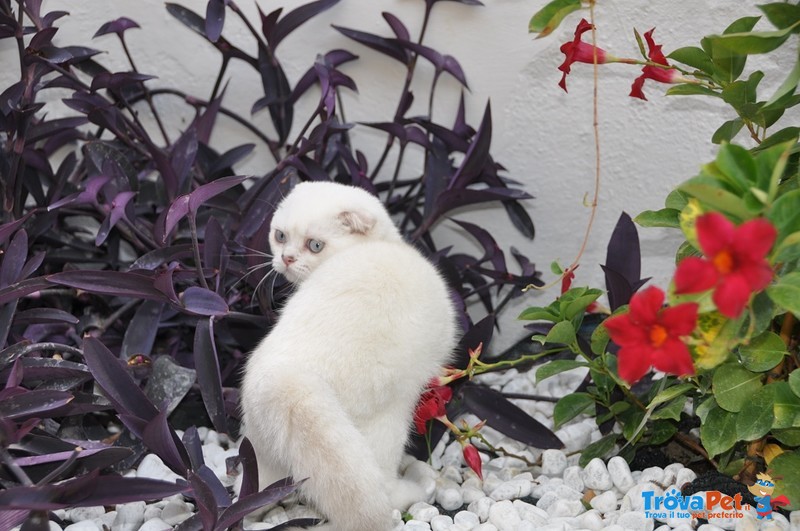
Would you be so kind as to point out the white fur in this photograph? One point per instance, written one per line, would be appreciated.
(329, 394)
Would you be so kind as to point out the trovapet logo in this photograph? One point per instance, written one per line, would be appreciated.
(711, 504)
(762, 491)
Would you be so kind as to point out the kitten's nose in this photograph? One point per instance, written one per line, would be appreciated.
(287, 260)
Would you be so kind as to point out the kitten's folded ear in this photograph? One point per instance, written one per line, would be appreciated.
(357, 221)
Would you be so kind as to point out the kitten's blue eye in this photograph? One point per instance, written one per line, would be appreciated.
(280, 237)
(315, 246)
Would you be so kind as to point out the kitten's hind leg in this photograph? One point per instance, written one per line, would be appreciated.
(321, 445)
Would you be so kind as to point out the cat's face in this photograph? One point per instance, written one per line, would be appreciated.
(317, 220)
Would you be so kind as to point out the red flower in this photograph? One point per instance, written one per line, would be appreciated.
(655, 73)
(431, 405)
(473, 459)
(734, 263)
(649, 335)
(579, 52)
(566, 283)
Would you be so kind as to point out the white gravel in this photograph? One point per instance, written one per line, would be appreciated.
(557, 495)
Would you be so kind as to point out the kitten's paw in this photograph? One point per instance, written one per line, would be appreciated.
(405, 492)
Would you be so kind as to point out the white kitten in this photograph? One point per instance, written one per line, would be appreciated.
(329, 394)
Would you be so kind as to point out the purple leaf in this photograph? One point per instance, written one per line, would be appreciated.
(194, 447)
(164, 442)
(140, 334)
(288, 23)
(438, 170)
(118, 80)
(247, 457)
(14, 259)
(249, 503)
(227, 160)
(207, 191)
(15, 375)
(206, 363)
(88, 491)
(32, 404)
(442, 63)
(275, 83)
(214, 245)
(48, 128)
(118, 26)
(461, 127)
(507, 418)
(451, 199)
(62, 456)
(22, 288)
(477, 156)
(520, 218)
(115, 380)
(154, 259)
(331, 59)
(204, 498)
(42, 38)
(178, 210)
(623, 263)
(205, 122)
(399, 29)
(491, 251)
(201, 301)
(390, 47)
(215, 19)
(10, 228)
(118, 206)
(183, 155)
(108, 283)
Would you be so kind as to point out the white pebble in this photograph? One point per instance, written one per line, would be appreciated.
(635, 520)
(573, 478)
(449, 499)
(79, 514)
(620, 473)
(485, 527)
(471, 494)
(481, 507)
(85, 525)
(709, 527)
(591, 520)
(596, 476)
(504, 516)
(565, 508)
(747, 523)
(531, 513)
(634, 500)
(467, 519)
(547, 500)
(605, 502)
(653, 474)
(441, 522)
(423, 512)
(685, 475)
(175, 511)
(553, 462)
(420, 469)
(156, 524)
(416, 525)
(152, 511)
(567, 493)
(153, 467)
(130, 516)
(510, 490)
(671, 473)
(452, 473)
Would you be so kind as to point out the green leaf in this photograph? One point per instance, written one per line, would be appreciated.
(676, 200)
(754, 42)
(666, 217)
(782, 15)
(556, 269)
(718, 433)
(778, 137)
(788, 249)
(536, 313)
(579, 305)
(669, 393)
(738, 165)
(728, 65)
(789, 437)
(550, 16)
(727, 131)
(789, 85)
(570, 406)
(785, 467)
(563, 333)
(717, 199)
(694, 57)
(600, 448)
(756, 417)
(794, 381)
(786, 292)
(702, 410)
(556, 367)
(785, 214)
(763, 353)
(787, 406)
(640, 44)
(672, 410)
(691, 89)
(661, 432)
(762, 309)
(734, 385)
(599, 340)
(686, 250)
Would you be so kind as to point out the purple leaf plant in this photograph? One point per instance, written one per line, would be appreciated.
(150, 310)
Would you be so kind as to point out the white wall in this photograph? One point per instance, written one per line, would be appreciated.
(542, 135)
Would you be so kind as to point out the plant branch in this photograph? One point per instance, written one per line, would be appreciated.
(147, 95)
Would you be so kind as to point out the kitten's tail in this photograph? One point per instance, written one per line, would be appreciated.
(320, 443)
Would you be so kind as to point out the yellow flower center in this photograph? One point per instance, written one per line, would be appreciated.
(658, 334)
(723, 261)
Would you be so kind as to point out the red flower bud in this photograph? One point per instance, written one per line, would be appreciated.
(473, 459)
(578, 51)
(431, 405)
